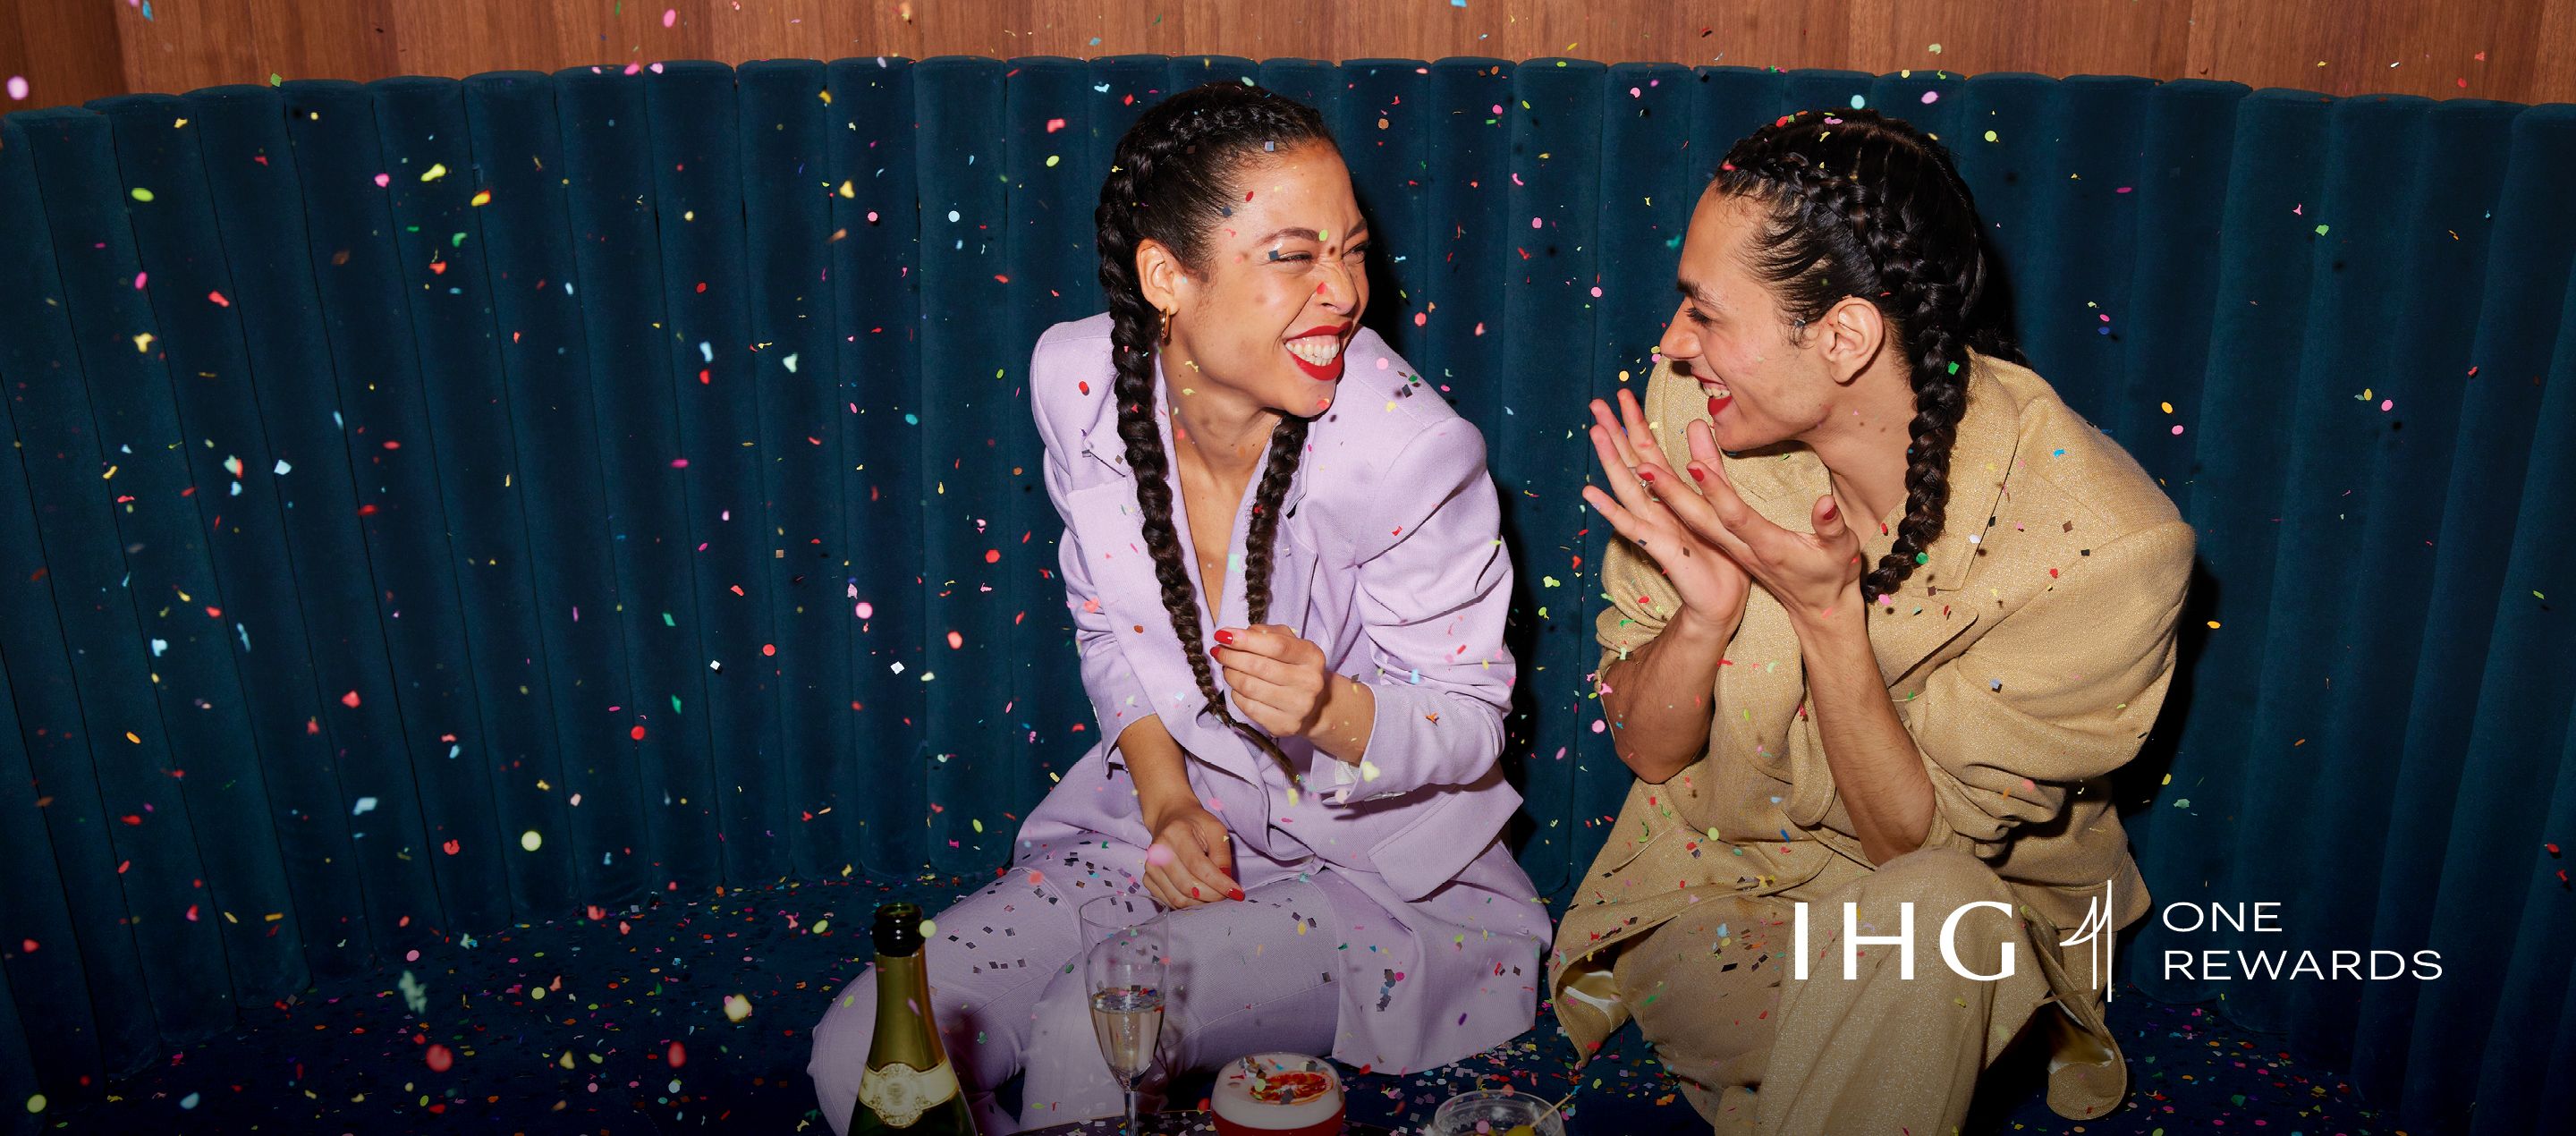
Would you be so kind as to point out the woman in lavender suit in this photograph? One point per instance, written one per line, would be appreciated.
(1296, 659)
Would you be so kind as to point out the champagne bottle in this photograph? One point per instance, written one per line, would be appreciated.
(909, 1087)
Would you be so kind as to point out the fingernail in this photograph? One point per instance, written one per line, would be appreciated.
(1646, 475)
(1236, 893)
(1224, 636)
(1194, 893)
(1698, 474)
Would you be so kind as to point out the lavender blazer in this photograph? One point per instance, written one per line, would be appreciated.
(1389, 558)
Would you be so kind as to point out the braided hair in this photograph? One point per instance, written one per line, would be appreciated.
(1858, 204)
(1174, 175)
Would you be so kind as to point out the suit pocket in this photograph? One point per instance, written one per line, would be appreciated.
(1452, 829)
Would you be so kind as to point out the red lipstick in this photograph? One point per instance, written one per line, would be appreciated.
(1329, 370)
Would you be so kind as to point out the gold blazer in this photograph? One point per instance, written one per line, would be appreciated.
(2028, 656)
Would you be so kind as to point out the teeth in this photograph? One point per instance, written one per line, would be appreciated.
(1316, 349)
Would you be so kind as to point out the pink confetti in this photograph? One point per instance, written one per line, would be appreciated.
(1931, 97)
(866, 610)
(670, 16)
(1053, 125)
(2387, 404)
(383, 180)
(18, 88)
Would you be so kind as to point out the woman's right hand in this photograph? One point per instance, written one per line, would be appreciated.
(1712, 585)
(1191, 862)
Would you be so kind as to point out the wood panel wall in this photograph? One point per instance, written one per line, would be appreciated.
(2518, 50)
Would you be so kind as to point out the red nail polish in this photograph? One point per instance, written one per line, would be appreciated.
(1698, 474)
(1236, 893)
(1225, 637)
(1646, 475)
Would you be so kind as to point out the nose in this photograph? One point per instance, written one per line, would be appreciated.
(1340, 287)
(1680, 341)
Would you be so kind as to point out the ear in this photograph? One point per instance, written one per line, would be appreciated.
(1160, 274)
(1850, 336)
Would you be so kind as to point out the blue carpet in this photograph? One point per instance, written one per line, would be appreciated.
(619, 1024)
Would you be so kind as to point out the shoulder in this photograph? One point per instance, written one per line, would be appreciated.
(1070, 373)
(2093, 506)
(1388, 420)
(2062, 458)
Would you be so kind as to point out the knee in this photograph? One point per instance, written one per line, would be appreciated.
(1938, 878)
(1066, 1077)
(841, 1043)
(1062, 1019)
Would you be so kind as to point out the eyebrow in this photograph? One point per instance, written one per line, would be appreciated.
(1359, 230)
(1696, 294)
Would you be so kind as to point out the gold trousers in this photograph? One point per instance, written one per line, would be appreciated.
(1760, 1051)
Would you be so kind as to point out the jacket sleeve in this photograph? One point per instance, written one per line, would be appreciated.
(1641, 601)
(1434, 591)
(1118, 698)
(2063, 690)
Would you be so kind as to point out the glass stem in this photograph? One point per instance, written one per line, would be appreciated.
(1132, 1130)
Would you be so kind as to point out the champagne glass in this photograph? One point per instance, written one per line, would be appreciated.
(1124, 973)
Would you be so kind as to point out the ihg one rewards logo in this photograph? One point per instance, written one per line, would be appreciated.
(2095, 934)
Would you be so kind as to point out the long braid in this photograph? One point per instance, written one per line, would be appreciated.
(1170, 180)
(1864, 205)
(1287, 445)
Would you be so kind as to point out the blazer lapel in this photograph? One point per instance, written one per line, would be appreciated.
(1122, 573)
(1935, 606)
(1122, 576)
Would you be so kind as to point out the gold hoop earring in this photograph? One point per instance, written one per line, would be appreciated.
(1166, 336)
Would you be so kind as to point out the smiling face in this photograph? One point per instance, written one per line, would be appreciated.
(1279, 287)
(1767, 380)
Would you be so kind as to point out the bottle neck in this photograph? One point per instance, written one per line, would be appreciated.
(905, 1032)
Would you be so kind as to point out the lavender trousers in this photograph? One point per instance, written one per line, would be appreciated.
(1006, 985)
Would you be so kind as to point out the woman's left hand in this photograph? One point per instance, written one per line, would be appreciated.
(1279, 679)
(1816, 576)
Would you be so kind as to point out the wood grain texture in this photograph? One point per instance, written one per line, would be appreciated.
(2516, 50)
